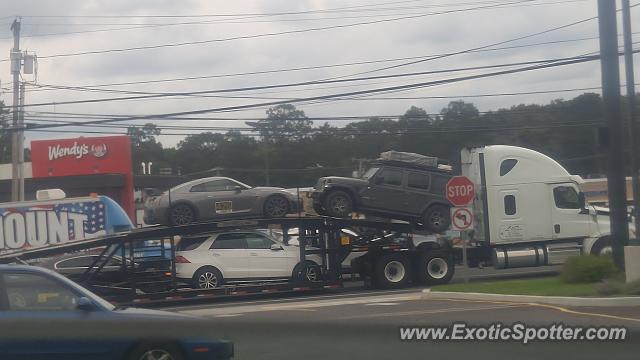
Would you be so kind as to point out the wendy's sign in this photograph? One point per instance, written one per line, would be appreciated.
(81, 156)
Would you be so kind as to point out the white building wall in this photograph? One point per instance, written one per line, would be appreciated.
(5, 171)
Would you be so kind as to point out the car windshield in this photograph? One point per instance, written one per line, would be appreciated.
(87, 293)
(369, 173)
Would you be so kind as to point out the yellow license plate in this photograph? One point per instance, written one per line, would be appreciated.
(223, 207)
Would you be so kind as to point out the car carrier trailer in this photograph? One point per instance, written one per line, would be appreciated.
(386, 246)
(528, 211)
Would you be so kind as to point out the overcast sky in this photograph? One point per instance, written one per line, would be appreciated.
(414, 28)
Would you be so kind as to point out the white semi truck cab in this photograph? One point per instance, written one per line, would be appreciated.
(528, 209)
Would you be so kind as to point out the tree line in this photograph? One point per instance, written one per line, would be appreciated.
(288, 149)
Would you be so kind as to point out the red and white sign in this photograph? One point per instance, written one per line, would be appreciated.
(460, 191)
(461, 218)
(87, 156)
(81, 156)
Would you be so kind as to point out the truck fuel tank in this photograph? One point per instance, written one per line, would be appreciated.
(520, 256)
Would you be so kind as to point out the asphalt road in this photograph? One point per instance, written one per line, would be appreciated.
(359, 324)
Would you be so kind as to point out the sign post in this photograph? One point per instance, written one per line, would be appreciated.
(460, 191)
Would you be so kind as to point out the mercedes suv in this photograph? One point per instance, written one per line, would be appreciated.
(404, 190)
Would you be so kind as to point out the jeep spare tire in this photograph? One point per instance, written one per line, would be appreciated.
(338, 204)
(437, 218)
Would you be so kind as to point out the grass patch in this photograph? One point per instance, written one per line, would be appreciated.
(547, 286)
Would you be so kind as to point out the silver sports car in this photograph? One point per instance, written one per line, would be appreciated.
(216, 198)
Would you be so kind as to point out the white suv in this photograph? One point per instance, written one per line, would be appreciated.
(211, 260)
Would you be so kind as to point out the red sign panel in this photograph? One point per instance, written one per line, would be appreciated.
(460, 190)
(81, 156)
(87, 156)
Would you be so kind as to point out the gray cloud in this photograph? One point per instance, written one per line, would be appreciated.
(411, 37)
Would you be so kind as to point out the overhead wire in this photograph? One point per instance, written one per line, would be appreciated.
(269, 34)
(437, 57)
(202, 77)
(329, 96)
(368, 133)
(351, 8)
(147, 95)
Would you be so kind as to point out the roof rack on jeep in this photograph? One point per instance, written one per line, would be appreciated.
(400, 158)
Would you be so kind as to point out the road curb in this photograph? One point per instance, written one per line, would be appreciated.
(427, 294)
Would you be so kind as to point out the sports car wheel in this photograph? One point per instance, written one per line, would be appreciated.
(276, 206)
(182, 214)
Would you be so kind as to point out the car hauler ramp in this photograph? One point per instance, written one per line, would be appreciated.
(316, 235)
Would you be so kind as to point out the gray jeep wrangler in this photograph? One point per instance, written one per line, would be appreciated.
(401, 186)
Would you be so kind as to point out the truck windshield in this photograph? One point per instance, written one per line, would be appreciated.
(369, 173)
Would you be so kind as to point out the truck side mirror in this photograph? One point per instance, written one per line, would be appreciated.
(583, 203)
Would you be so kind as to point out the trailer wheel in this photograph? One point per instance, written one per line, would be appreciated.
(392, 271)
(434, 268)
(338, 204)
(156, 351)
(437, 218)
(305, 273)
(207, 278)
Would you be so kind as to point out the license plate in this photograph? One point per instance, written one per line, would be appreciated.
(224, 207)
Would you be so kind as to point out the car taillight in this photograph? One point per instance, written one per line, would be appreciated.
(182, 260)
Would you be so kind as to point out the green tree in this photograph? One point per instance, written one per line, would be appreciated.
(459, 110)
(283, 122)
(414, 118)
(145, 148)
(144, 134)
(197, 153)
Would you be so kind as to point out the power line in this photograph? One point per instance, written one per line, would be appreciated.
(332, 96)
(480, 47)
(340, 26)
(320, 130)
(242, 20)
(374, 133)
(337, 9)
(148, 95)
(425, 97)
(307, 67)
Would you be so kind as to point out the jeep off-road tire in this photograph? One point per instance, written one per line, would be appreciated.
(338, 204)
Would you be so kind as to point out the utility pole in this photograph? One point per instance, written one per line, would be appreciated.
(616, 182)
(21, 145)
(632, 116)
(16, 58)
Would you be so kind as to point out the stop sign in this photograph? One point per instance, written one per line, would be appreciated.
(460, 190)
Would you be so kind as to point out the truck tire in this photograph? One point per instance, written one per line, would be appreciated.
(602, 246)
(338, 204)
(391, 271)
(207, 277)
(437, 218)
(433, 268)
